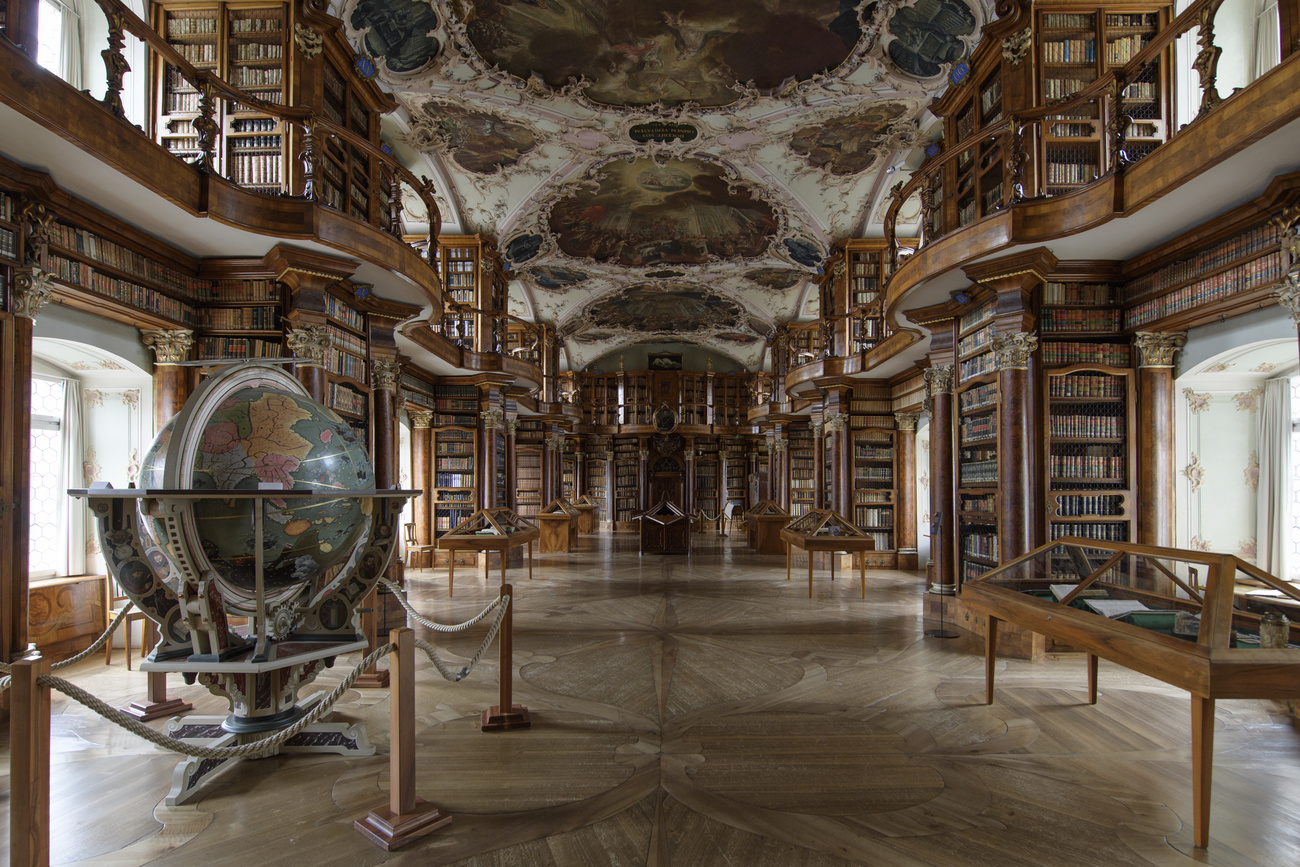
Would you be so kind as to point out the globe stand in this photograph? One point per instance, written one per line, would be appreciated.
(193, 775)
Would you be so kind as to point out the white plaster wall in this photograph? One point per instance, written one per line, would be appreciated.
(1216, 450)
(923, 490)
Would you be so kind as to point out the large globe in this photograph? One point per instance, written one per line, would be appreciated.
(241, 437)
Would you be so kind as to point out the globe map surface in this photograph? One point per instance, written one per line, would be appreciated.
(263, 435)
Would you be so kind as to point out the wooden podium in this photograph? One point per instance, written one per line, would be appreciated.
(557, 522)
(665, 529)
(586, 514)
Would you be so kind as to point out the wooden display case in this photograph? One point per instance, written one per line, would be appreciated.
(1188, 618)
(822, 530)
(588, 514)
(665, 529)
(557, 523)
(763, 523)
(492, 531)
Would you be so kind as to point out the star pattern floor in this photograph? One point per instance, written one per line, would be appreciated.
(705, 711)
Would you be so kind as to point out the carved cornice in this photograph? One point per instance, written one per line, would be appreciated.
(938, 380)
(309, 42)
(1014, 350)
(492, 418)
(422, 419)
(1157, 348)
(169, 346)
(32, 291)
(309, 344)
(906, 420)
(385, 374)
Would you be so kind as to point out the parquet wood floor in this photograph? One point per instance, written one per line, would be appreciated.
(704, 711)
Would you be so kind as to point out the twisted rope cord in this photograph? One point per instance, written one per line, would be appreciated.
(430, 624)
(99, 642)
(257, 749)
(432, 654)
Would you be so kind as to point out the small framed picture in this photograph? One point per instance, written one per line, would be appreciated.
(665, 360)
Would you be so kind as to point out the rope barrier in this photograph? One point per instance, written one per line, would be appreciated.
(99, 642)
(428, 649)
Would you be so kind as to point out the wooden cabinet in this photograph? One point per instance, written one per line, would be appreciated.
(475, 286)
(454, 476)
(243, 320)
(871, 422)
(977, 444)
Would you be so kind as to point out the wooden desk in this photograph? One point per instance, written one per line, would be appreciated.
(825, 530)
(488, 530)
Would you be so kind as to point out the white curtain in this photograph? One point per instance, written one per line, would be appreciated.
(1268, 48)
(1273, 496)
(74, 511)
(71, 35)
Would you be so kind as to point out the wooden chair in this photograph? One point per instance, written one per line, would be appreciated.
(415, 552)
(113, 605)
(728, 518)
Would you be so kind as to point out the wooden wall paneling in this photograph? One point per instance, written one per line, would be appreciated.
(15, 433)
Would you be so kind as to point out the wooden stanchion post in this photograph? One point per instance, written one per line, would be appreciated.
(506, 715)
(406, 817)
(29, 763)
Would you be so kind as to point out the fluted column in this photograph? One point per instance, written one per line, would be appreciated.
(780, 465)
(1155, 435)
(643, 478)
(688, 489)
(943, 476)
(492, 421)
(307, 346)
(611, 510)
(422, 474)
(905, 485)
(1018, 503)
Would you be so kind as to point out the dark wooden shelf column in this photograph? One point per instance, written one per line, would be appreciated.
(905, 485)
(943, 479)
(819, 463)
(1018, 384)
(422, 474)
(385, 374)
(1155, 442)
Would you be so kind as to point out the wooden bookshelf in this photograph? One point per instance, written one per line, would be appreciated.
(1090, 453)
(874, 469)
(707, 476)
(977, 444)
(9, 229)
(454, 476)
(528, 478)
(474, 282)
(626, 482)
(735, 470)
(802, 457)
(1080, 322)
(597, 481)
(244, 319)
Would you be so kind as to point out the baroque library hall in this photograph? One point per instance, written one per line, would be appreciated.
(673, 432)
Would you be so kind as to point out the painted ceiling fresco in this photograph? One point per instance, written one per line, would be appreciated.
(710, 151)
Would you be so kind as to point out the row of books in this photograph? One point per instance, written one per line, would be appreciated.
(977, 366)
(1095, 385)
(872, 453)
(979, 472)
(982, 545)
(1080, 319)
(257, 22)
(199, 52)
(1056, 353)
(1059, 88)
(1082, 426)
(971, 571)
(1110, 531)
(345, 399)
(1079, 294)
(864, 405)
(1070, 173)
(237, 347)
(251, 76)
(259, 51)
(978, 428)
(132, 294)
(1122, 50)
(256, 169)
(1068, 21)
(1080, 505)
(1247, 243)
(92, 246)
(453, 480)
(345, 364)
(873, 474)
(229, 318)
(1070, 51)
(461, 463)
(986, 503)
(1094, 468)
(191, 23)
(1259, 272)
(873, 517)
(346, 340)
(8, 244)
(977, 340)
(448, 446)
(979, 397)
(991, 96)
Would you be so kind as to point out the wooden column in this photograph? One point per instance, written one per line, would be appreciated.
(308, 344)
(688, 486)
(30, 291)
(579, 472)
(385, 374)
(836, 404)
(780, 469)
(512, 491)
(486, 479)
(171, 388)
(643, 477)
(905, 486)
(819, 463)
(943, 475)
(422, 474)
(1155, 437)
(552, 466)
(1019, 521)
(611, 513)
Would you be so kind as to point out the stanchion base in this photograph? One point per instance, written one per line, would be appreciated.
(392, 832)
(145, 711)
(373, 679)
(939, 633)
(495, 721)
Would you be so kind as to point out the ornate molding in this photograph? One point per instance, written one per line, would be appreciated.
(609, 456)
(492, 418)
(643, 454)
(512, 426)
(421, 419)
(555, 442)
(169, 346)
(309, 42)
(33, 289)
(906, 420)
(835, 422)
(689, 454)
(780, 444)
(938, 380)
(818, 429)
(1288, 294)
(385, 374)
(1014, 350)
(1157, 348)
(1015, 48)
(309, 344)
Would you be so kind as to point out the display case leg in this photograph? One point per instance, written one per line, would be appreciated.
(1092, 678)
(1202, 767)
(990, 658)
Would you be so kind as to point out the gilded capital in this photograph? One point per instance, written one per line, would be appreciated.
(169, 346)
(309, 344)
(906, 420)
(384, 374)
(938, 380)
(779, 444)
(512, 426)
(835, 422)
(422, 419)
(33, 289)
(1157, 348)
(492, 418)
(1014, 350)
(555, 442)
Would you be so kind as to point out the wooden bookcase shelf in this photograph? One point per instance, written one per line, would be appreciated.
(1080, 322)
(454, 476)
(626, 481)
(977, 444)
(473, 279)
(874, 467)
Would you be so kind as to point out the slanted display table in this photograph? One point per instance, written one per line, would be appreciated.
(586, 514)
(665, 529)
(1188, 618)
(824, 530)
(488, 530)
(763, 525)
(558, 524)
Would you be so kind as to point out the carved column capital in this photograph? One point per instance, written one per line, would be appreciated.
(422, 419)
(1014, 350)
(385, 374)
(308, 344)
(643, 454)
(169, 346)
(835, 422)
(492, 418)
(555, 442)
(609, 456)
(1288, 295)
(938, 380)
(512, 426)
(779, 444)
(689, 454)
(818, 429)
(1157, 348)
(906, 420)
(33, 289)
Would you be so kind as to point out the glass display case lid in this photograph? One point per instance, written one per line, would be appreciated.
(490, 522)
(823, 522)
